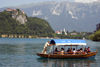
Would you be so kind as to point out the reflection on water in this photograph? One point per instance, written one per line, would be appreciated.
(68, 62)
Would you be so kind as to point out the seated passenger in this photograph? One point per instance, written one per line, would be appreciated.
(74, 51)
(62, 50)
(77, 52)
(68, 50)
(88, 50)
(56, 50)
(85, 51)
(80, 51)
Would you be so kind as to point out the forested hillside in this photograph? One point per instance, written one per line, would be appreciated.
(34, 26)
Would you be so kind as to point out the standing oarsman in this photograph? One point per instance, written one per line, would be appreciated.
(45, 46)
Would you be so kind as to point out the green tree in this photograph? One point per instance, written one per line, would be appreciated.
(95, 36)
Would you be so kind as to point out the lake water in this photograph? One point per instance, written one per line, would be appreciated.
(21, 52)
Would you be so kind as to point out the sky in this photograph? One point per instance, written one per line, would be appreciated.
(5, 3)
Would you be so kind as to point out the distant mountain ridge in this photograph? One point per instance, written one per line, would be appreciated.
(68, 15)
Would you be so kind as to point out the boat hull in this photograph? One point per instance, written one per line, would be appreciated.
(88, 55)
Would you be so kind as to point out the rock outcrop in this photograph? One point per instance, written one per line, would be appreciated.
(18, 15)
(21, 18)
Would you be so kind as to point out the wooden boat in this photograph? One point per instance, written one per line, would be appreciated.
(66, 42)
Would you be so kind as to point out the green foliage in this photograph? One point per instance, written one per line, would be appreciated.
(39, 27)
(34, 26)
(95, 36)
(7, 24)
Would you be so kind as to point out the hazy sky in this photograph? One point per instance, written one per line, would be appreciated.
(4, 3)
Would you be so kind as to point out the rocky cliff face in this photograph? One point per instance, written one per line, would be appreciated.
(21, 18)
(18, 15)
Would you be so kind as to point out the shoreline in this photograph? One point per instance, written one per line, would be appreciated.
(26, 36)
(23, 36)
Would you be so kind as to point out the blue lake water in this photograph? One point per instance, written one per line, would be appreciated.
(21, 52)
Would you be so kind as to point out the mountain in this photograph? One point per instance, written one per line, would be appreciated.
(68, 15)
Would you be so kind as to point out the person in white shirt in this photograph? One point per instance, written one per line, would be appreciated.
(74, 51)
(45, 46)
(62, 51)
